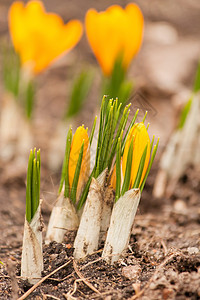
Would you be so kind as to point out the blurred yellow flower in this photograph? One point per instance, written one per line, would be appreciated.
(78, 138)
(140, 140)
(40, 37)
(115, 33)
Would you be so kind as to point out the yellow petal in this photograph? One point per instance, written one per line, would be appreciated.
(78, 138)
(141, 139)
(114, 32)
(40, 37)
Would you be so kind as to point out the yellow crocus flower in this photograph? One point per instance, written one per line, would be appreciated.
(113, 33)
(40, 37)
(140, 139)
(77, 141)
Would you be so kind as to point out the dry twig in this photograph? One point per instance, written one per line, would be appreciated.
(42, 280)
(83, 278)
(153, 276)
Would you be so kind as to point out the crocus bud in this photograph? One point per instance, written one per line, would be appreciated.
(140, 140)
(79, 137)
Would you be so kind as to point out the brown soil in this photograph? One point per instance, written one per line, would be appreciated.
(163, 259)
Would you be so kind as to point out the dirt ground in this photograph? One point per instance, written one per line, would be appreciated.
(163, 259)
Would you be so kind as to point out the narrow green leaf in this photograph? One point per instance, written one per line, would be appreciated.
(197, 80)
(29, 188)
(140, 169)
(11, 70)
(121, 127)
(85, 192)
(29, 98)
(129, 128)
(127, 177)
(152, 142)
(118, 170)
(150, 165)
(34, 196)
(76, 175)
(80, 90)
(145, 116)
(64, 174)
(38, 171)
(184, 113)
(92, 131)
(101, 125)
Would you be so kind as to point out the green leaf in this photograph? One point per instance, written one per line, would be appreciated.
(79, 93)
(150, 165)
(140, 169)
(129, 128)
(121, 127)
(184, 113)
(127, 177)
(34, 196)
(85, 191)
(29, 98)
(29, 188)
(76, 175)
(92, 131)
(64, 174)
(33, 184)
(145, 116)
(197, 80)
(118, 170)
(101, 126)
(11, 70)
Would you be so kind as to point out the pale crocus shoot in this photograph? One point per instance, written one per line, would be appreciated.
(75, 174)
(32, 257)
(134, 158)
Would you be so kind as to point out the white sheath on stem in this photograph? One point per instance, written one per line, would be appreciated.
(57, 146)
(108, 200)
(63, 218)
(121, 223)
(87, 238)
(9, 126)
(182, 150)
(32, 256)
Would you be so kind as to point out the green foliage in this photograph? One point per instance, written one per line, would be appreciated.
(187, 107)
(116, 86)
(153, 154)
(197, 80)
(11, 70)
(76, 175)
(92, 131)
(127, 176)
(29, 96)
(65, 175)
(184, 113)
(118, 170)
(33, 184)
(80, 90)
(140, 169)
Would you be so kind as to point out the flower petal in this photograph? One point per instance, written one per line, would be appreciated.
(78, 138)
(40, 37)
(114, 32)
(141, 139)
